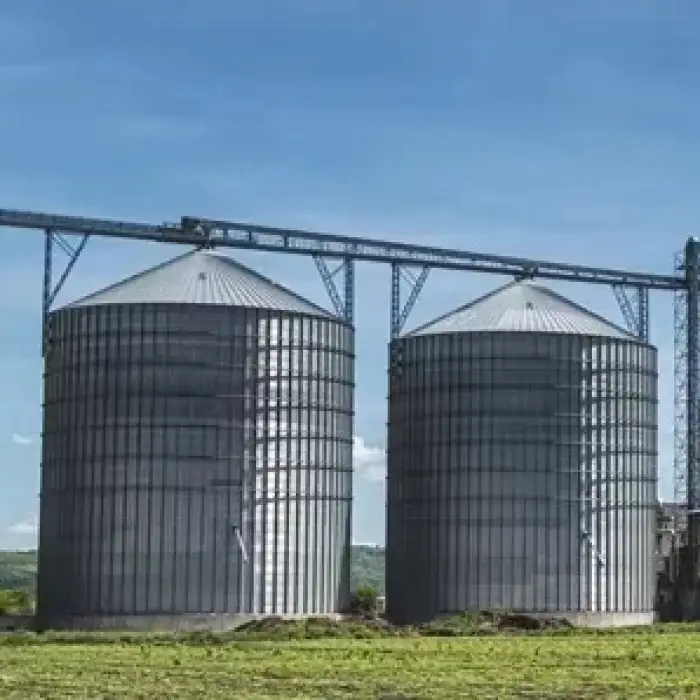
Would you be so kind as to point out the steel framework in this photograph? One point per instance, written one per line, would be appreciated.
(680, 388)
(411, 265)
(634, 305)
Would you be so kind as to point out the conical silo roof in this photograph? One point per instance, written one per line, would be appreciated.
(206, 278)
(523, 306)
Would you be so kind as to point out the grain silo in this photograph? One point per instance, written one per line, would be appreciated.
(197, 452)
(522, 463)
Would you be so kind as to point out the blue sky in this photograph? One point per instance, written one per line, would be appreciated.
(556, 130)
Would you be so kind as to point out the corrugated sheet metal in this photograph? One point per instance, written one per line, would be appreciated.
(196, 459)
(521, 475)
(203, 277)
(523, 306)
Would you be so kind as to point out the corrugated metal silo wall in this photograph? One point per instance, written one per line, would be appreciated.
(522, 474)
(195, 459)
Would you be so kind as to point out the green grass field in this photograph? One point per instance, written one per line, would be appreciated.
(634, 665)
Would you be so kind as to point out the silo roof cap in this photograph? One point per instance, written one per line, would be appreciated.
(207, 278)
(523, 306)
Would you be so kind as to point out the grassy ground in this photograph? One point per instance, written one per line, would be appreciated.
(570, 665)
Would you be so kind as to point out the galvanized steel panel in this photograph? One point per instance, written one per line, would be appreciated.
(203, 277)
(526, 307)
(195, 460)
(522, 474)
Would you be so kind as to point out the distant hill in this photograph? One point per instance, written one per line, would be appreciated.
(18, 569)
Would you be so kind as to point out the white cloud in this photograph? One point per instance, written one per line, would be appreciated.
(370, 462)
(22, 439)
(28, 526)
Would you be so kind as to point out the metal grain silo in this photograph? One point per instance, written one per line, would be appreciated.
(522, 463)
(197, 452)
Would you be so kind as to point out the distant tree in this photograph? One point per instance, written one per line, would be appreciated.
(364, 601)
(14, 601)
(367, 567)
(18, 570)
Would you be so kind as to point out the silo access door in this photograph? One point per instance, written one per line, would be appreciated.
(229, 554)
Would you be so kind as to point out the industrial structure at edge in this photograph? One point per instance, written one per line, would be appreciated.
(198, 424)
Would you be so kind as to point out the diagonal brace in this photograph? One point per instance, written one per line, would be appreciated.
(73, 255)
(634, 304)
(680, 396)
(344, 304)
(399, 313)
(51, 290)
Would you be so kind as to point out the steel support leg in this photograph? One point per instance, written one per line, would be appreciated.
(47, 288)
(51, 291)
(349, 275)
(344, 305)
(692, 275)
(680, 389)
(634, 304)
(643, 313)
(399, 314)
(349, 314)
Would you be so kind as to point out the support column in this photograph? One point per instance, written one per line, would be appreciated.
(344, 304)
(643, 313)
(49, 290)
(349, 290)
(399, 314)
(680, 389)
(692, 275)
(634, 304)
(46, 290)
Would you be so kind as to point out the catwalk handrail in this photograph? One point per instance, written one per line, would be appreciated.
(214, 233)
